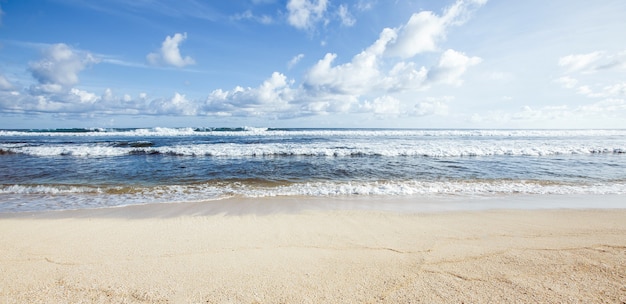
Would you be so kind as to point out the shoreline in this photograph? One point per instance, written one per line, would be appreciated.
(152, 254)
(295, 204)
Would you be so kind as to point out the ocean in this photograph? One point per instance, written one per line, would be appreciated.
(62, 169)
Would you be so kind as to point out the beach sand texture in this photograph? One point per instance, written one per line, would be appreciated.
(120, 256)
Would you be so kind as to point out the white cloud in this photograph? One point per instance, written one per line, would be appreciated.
(580, 61)
(425, 29)
(294, 61)
(177, 105)
(169, 53)
(387, 105)
(615, 90)
(433, 106)
(75, 102)
(327, 85)
(344, 15)
(593, 62)
(5, 85)
(365, 5)
(405, 76)
(84, 96)
(265, 19)
(59, 67)
(451, 66)
(46, 88)
(356, 77)
(419, 35)
(595, 74)
(242, 16)
(608, 91)
(607, 106)
(248, 15)
(608, 112)
(567, 82)
(272, 96)
(303, 14)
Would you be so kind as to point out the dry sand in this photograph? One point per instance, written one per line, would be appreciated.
(146, 254)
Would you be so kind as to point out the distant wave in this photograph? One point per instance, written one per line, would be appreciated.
(389, 149)
(157, 131)
(248, 131)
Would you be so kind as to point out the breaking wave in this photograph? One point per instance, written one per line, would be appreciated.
(253, 131)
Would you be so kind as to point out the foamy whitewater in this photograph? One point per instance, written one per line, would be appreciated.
(94, 168)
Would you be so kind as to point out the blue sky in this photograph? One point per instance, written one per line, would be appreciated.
(313, 63)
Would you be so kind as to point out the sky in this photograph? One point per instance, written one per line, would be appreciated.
(313, 63)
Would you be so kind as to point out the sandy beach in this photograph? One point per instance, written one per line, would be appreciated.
(175, 254)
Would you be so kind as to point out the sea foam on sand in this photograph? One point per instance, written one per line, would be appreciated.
(178, 253)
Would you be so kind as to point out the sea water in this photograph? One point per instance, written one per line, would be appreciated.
(62, 169)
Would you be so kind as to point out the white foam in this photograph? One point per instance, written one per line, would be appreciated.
(18, 198)
(67, 150)
(391, 188)
(251, 131)
(411, 188)
(366, 147)
(45, 189)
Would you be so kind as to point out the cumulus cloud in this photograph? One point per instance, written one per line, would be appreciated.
(355, 77)
(177, 105)
(425, 29)
(304, 14)
(365, 73)
(451, 66)
(80, 102)
(169, 54)
(419, 35)
(84, 96)
(387, 105)
(273, 95)
(405, 76)
(59, 67)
